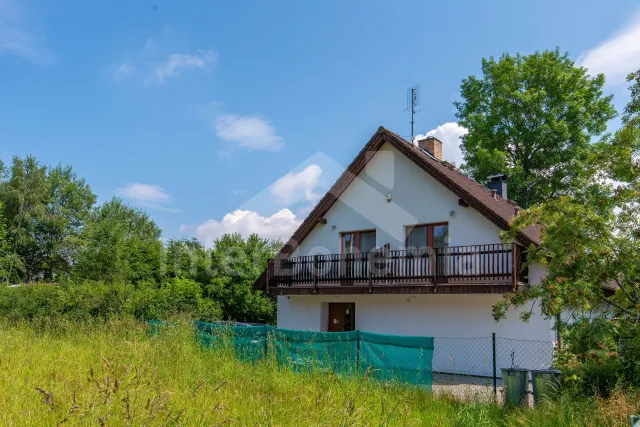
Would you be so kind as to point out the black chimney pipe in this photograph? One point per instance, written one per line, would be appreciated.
(499, 183)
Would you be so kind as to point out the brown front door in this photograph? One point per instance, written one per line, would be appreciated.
(342, 316)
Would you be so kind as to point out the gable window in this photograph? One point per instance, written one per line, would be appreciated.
(428, 235)
(354, 245)
(354, 242)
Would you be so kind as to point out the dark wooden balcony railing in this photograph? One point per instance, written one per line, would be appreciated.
(481, 264)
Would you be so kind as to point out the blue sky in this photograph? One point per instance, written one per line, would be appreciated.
(236, 116)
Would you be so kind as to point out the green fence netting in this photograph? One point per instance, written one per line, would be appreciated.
(396, 358)
(324, 351)
(249, 342)
(157, 326)
(384, 357)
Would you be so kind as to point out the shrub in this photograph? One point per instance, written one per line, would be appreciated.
(590, 360)
(629, 351)
(88, 300)
(599, 378)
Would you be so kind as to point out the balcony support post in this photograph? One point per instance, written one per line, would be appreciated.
(315, 274)
(269, 274)
(370, 270)
(434, 252)
(514, 273)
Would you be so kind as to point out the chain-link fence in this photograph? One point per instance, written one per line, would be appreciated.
(471, 368)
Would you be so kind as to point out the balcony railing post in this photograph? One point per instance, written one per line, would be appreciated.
(269, 273)
(315, 274)
(435, 266)
(514, 273)
(370, 270)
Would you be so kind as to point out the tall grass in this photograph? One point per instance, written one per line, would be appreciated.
(113, 374)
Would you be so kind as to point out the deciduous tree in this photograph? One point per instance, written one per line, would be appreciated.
(120, 243)
(44, 209)
(236, 264)
(533, 118)
(591, 240)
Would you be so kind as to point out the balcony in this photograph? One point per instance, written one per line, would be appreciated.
(491, 268)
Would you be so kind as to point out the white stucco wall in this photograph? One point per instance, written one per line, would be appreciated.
(461, 324)
(415, 315)
(417, 198)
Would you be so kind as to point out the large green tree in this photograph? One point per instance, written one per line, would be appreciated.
(188, 258)
(120, 243)
(10, 263)
(591, 240)
(533, 118)
(44, 209)
(236, 264)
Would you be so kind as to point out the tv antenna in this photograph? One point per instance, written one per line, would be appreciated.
(413, 104)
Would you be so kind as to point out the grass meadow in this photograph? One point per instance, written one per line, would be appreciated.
(113, 374)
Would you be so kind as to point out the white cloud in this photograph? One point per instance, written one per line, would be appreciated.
(154, 64)
(248, 131)
(186, 227)
(144, 193)
(124, 70)
(17, 38)
(147, 196)
(450, 134)
(177, 63)
(280, 225)
(294, 187)
(618, 55)
(304, 211)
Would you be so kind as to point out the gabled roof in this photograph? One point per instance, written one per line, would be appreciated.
(496, 209)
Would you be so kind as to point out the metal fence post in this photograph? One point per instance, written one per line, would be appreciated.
(495, 372)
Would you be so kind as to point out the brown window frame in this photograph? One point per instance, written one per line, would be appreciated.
(429, 225)
(357, 235)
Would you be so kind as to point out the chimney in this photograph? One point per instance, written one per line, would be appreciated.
(431, 145)
(498, 184)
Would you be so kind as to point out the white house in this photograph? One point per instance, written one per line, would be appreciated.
(405, 244)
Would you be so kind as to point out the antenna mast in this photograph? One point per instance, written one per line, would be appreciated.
(413, 105)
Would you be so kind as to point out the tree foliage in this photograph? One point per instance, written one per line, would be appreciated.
(533, 118)
(591, 243)
(50, 232)
(236, 263)
(121, 244)
(590, 247)
(44, 209)
(188, 258)
(10, 263)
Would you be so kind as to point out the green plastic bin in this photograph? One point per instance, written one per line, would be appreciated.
(546, 383)
(515, 383)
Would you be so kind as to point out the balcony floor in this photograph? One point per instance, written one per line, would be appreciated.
(395, 288)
